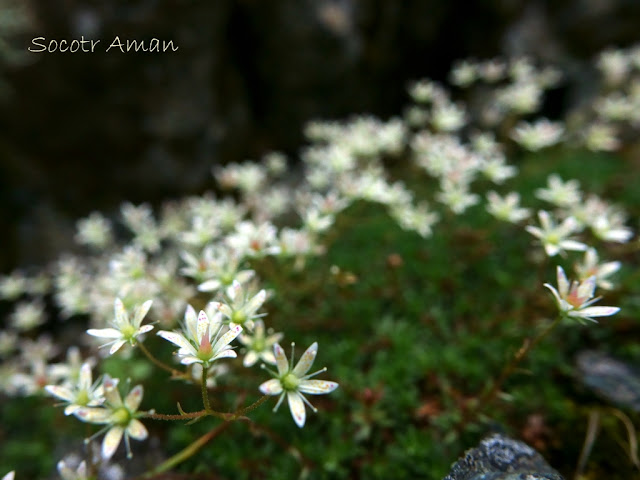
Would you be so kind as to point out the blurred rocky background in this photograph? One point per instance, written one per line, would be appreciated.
(87, 131)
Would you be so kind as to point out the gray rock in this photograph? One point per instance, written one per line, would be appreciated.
(612, 379)
(502, 458)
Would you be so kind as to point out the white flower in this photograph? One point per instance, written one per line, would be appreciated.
(215, 268)
(28, 315)
(559, 193)
(119, 416)
(200, 340)
(538, 135)
(574, 300)
(83, 394)
(448, 117)
(241, 310)
(554, 238)
(125, 330)
(507, 208)
(9, 476)
(464, 73)
(456, 196)
(601, 137)
(67, 473)
(94, 231)
(590, 267)
(259, 346)
(419, 218)
(293, 382)
(610, 228)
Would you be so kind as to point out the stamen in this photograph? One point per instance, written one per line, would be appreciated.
(275, 409)
(293, 344)
(304, 399)
(314, 373)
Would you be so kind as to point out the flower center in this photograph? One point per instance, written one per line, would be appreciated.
(82, 398)
(290, 382)
(128, 332)
(121, 417)
(238, 317)
(258, 345)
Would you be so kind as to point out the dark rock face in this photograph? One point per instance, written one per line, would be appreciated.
(502, 458)
(85, 131)
(613, 380)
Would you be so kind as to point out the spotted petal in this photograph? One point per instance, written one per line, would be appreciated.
(111, 441)
(93, 415)
(133, 399)
(60, 392)
(227, 338)
(317, 387)
(116, 346)
(306, 360)
(296, 405)
(271, 387)
(281, 359)
(177, 339)
(137, 430)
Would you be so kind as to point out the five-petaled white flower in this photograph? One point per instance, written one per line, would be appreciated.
(555, 238)
(292, 382)
(83, 394)
(241, 310)
(119, 416)
(200, 340)
(574, 300)
(259, 345)
(124, 330)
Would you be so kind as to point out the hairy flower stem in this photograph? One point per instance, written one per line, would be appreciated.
(490, 395)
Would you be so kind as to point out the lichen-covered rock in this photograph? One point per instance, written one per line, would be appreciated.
(502, 458)
(612, 379)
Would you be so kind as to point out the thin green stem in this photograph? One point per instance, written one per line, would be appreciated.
(157, 362)
(186, 453)
(205, 391)
(490, 395)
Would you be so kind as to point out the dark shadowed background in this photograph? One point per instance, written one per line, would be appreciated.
(87, 131)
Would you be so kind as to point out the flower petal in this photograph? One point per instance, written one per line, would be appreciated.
(250, 358)
(140, 313)
(281, 359)
(60, 392)
(93, 415)
(597, 311)
(111, 441)
(306, 360)
(255, 303)
(177, 339)
(133, 398)
(225, 354)
(209, 285)
(317, 387)
(227, 338)
(271, 387)
(116, 346)
(104, 332)
(145, 329)
(296, 405)
(121, 317)
(137, 430)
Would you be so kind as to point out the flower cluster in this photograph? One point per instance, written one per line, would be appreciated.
(203, 259)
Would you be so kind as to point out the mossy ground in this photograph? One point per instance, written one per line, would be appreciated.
(414, 330)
